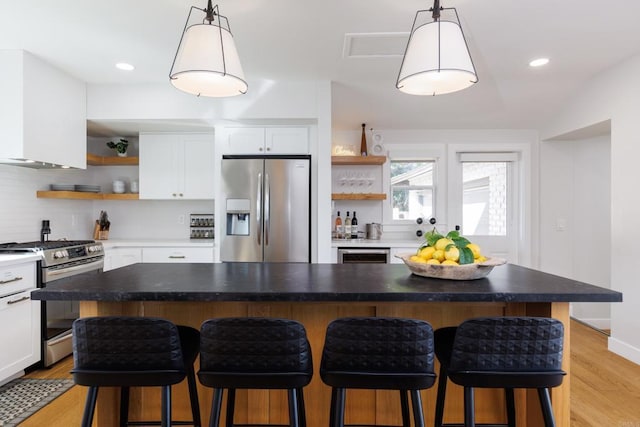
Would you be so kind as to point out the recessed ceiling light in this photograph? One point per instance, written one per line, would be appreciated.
(539, 62)
(124, 66)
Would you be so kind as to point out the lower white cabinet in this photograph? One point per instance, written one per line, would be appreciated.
(121, 257)
(175, 255)
(19, 320)
(395, 251)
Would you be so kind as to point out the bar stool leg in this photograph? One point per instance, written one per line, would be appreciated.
(469, 408)
(166, 406)
(231, 406)
(404, 406)
(216, 408)
(124, 406)
(340, 401)
(545, 403)
(193, 396)
(442, 392)
(511, 407)
(302, 418)
(294, 420)
(416, 403)
(89, 406)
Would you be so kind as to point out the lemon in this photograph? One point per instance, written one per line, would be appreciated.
(441, 244)
(433, 261)
(417, 259)
(452, 254)
(482, 258)
(475, 249)
(439, 255)
(427, 252)
(449, 262)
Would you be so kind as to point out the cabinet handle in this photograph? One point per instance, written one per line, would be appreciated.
(260, 149)
(19, 300)
(180, 194)
(15, 279)
(174, 194)
(177, 256)
(268, 148)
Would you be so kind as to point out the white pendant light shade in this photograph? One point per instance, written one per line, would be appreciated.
(436, 61)
(207, 63)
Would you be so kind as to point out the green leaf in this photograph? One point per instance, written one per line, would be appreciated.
(424, 245)
(461, 242)
(466, 256)
(433, 237)
(453, 234)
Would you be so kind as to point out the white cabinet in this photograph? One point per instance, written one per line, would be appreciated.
(42, 112)
(395, 251)
(176, 255)
(121, 257)
(20, 319)
(176, 166)
(271, 140)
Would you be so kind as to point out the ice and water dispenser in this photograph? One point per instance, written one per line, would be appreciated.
(238, 216)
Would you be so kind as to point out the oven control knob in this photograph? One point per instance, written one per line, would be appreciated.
(92, 249)
(58, 254)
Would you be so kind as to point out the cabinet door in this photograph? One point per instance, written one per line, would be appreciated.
(396, 251)
(177, 255)
(243, 141)
(287, 140)
(199, 163)
(159, 166)
(121, 257)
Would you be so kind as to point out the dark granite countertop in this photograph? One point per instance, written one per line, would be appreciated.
(315, 282)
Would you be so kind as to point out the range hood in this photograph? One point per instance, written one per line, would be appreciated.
(42, 114)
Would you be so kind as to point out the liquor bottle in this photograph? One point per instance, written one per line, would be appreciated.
(339, 231)
(347, 227)
(363, 143)
(354, 226)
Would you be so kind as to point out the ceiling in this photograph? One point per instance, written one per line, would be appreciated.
(304, 40)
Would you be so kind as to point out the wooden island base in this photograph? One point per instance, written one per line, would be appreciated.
(363, 406)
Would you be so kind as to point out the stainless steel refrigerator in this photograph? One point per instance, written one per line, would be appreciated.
(267, 209)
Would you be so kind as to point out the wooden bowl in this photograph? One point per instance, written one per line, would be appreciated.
(452, 272)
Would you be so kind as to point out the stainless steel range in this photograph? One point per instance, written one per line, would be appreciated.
(60, 259)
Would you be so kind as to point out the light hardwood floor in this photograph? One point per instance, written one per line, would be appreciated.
(605, 388)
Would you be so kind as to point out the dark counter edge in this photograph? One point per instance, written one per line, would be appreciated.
(375, 283)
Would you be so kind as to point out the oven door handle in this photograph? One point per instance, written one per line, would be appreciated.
(363, 251)
(50, 275)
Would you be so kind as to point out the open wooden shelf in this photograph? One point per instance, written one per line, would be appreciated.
(358, 160)
(79, 195)
(358, 196)
(94, 160)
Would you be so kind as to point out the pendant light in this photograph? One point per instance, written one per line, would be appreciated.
(207, 62)
(437, 59)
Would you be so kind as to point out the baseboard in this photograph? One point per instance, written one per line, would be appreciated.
(596, 323)
(625, 350)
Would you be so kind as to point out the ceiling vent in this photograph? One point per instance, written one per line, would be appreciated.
(374, 45)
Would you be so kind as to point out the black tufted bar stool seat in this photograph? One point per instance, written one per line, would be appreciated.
(500, 352)
(119, 351)
(378, 353)
(255, 353)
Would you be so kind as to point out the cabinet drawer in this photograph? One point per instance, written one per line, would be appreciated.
(16, 278)
(168, 255)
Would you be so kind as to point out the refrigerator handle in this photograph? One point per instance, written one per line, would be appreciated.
(259, 208)
(267, 208)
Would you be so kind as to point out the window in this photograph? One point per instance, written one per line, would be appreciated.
(412, 189)
(484, 198)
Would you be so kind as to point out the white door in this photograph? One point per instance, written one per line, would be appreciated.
(484, 201)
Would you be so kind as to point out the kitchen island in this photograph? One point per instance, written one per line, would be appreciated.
(315, 294)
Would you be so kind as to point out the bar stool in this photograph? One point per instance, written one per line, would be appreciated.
(500, 352)
(255, 353)
(128, 352)
(378, 353)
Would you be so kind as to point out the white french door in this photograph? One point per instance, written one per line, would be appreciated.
(484, 197)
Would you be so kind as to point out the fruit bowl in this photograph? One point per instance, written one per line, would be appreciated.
(452, 272)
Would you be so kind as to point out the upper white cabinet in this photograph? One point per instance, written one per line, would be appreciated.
(176, 166)
(270, 140)
(42, 112)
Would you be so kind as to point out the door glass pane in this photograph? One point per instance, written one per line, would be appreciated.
(412, 189)
(484, 198)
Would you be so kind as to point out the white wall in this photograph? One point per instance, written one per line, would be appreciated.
(575, 218)
(614, 95)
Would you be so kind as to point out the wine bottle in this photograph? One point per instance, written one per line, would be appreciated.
(347, 227)
(354, 226)
(339, 231)
(363, 143)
